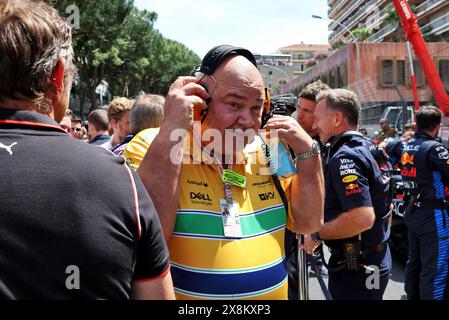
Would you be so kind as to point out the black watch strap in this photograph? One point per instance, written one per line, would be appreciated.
(315, 237)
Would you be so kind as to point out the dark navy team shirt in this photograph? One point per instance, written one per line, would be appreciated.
(69, 208)
(353, 179)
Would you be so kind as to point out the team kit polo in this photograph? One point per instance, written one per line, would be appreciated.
(76, 222)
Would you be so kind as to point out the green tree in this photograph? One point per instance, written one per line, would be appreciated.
(392, 18)
(362, 34)
(338, 44)
(100, 25)
(146, 60)
(118, 43)
(133, 51)
(173, 60)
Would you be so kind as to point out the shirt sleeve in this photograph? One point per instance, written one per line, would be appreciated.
(439, 159)
(137, 148)
(350, 182)
(152, 259)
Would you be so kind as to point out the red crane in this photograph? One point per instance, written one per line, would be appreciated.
(414, 35)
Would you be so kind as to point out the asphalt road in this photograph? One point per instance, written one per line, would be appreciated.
(394, 291)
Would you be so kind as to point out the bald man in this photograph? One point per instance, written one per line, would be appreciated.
(223, 216)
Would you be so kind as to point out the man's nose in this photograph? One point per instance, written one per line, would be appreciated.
(246, 119)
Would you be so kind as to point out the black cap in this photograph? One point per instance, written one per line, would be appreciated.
(217, 54)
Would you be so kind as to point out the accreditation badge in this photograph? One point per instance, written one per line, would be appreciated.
(231, 219)
(234, 178)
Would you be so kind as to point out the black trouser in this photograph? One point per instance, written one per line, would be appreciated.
(291, 253)
(426, 274)
(360, 285)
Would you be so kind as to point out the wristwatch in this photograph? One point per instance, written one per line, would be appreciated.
(314, 151)
(315, 237)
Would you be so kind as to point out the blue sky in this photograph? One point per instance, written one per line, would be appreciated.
(261, 26)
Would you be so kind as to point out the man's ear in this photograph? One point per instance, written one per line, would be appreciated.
(57, 77)
(338, 119)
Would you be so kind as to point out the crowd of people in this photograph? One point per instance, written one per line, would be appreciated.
(176, 197)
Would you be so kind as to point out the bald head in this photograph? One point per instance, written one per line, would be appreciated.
(235, 71)
(240, 67)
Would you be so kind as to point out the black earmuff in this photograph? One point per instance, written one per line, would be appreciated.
(217, 54)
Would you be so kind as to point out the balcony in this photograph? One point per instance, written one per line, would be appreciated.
(363, 11)
(348, 10)
(382, 16)
(438, 26)
(381, 34)
(338, 5)
(428, 6)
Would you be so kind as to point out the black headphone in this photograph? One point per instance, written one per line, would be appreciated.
(216, 55)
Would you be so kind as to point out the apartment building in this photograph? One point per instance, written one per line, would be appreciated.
(433, 18)
(385, 75)
(302, 53)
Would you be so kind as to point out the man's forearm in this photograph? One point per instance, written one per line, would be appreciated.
(160, 170)
(307, 199)
(348, 224)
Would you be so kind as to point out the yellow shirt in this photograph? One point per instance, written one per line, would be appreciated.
(206, 264)
(137, 148)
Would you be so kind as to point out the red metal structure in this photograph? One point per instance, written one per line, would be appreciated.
(414, 35)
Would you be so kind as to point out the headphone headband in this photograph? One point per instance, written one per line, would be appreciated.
(216, 55)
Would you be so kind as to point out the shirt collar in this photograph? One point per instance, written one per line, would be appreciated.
(422, 134)
(28, 119)
(197, 155)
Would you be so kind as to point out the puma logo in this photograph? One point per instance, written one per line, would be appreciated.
(8, 148)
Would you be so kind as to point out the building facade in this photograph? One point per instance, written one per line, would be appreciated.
(302, 54)
(379, 17)
(276, 69)
(384, 76)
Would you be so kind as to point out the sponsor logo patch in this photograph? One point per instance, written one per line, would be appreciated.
(261, 184)
(347, 172)
(407, 159)
(353, 191)
(267, 196)
(352, 186)
(349, 179)
(200, 196)
(408, 172)
(198, 183)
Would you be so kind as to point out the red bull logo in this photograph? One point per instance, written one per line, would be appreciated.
(352, 186)
(405, 172)
(407, 159)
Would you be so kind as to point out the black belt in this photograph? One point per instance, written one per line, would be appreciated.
(366, 251)
(432, 204)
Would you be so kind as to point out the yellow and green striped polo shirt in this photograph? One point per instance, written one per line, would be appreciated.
(205, 264)
(137, 148)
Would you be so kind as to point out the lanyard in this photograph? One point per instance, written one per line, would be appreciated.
(227, 185)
